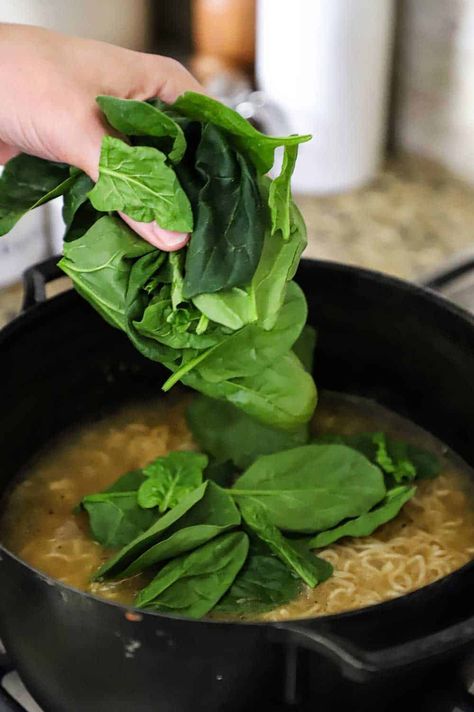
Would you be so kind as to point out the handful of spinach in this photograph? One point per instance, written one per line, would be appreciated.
(222, 314)
(231, 547)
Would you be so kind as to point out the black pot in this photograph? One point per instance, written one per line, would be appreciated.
(378, 337)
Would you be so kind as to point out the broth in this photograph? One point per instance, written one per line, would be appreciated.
(431, 537)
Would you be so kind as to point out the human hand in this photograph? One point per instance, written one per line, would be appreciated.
(48, 86)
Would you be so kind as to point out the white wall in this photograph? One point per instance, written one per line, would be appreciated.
(435, 102)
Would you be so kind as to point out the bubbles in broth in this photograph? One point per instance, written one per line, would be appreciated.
(431, 537)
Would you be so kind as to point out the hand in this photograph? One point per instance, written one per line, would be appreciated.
(48, 85)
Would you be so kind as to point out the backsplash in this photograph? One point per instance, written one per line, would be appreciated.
(435, 82)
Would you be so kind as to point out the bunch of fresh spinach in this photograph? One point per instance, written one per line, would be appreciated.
(221, 547)
(222, 314)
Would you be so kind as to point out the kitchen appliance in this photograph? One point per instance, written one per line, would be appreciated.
(378, 337)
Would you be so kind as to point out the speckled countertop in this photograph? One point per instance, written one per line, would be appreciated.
(407, 222)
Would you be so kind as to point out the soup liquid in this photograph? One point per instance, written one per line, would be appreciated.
(431, 537)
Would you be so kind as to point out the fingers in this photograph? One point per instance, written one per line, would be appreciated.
(7, 152)
(167, 79)
(165, 240)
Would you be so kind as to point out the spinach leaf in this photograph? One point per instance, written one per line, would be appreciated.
(367, 523)
(115, 517)
(192, 584)
(99, 265)
(230, 219)
(233, 308)
(78, 213)
(313, 487)
(228, 433)
(259, 347)
(402, 460)
(304, 347)
(259, 147)
(280, 194)
(129, 482)
(220, 472)
(170, 477)
(262, 584)
(212, 515)
(137, 181)
(276, 268)
(282, 394)
(303, 563)
(28, 182)
(198, 517)
(139, 118)
(141, 543)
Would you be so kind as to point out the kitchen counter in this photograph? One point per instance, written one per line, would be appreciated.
(407, 222)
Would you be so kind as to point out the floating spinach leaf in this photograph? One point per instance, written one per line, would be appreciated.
(137, 181)
(28, 182)
(129, 482)
(192, 584)
(227, 433)
(313, 487)
(154, 533)
(230, 220)
(139, 118)
(115, 517)
(367, 523)
(402, 460)
(259, 147)
(303, 563)
(263, 583)
(169, 478)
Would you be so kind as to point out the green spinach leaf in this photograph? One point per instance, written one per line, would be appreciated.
(192, 584)
(115, 518)
(170, 477)
(311, 569)
(229, 434)
(263, 584)
(230, 220)
(137, 181)
(313, 487)
(28, 182)
(304, 347)
(280, 194)
(367, 523)
(140, 118)
(259, 147)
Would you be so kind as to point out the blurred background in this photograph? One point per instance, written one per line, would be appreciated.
(385, 87)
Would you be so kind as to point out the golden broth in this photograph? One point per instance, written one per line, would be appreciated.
(433, 535)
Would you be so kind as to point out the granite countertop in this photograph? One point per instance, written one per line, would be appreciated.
(407, 222)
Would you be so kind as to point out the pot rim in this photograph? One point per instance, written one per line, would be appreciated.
(59, 300)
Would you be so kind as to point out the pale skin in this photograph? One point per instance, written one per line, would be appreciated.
(48, 85)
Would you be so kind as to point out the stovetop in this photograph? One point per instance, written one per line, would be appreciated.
(455, 281)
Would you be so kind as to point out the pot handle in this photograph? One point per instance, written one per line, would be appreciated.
(7, 702)
(359, 664)
(35, 280)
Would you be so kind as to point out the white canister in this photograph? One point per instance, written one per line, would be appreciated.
(325, 64)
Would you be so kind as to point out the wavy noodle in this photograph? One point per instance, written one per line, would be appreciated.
(433, 536)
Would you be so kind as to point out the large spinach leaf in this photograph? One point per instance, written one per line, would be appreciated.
(78, 213)
(263, 583)
(137, 181)
(115, 517)
(259, 147)
(192, 584)
(169, 478)
(402, 460)
(280, 194)
(367, 523)
(227, 433)
(311, 569)
(230, 219)
(313, 487)
(140, 118)
(198, 517)
(28, 182)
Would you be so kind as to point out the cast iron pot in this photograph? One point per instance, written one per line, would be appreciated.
(378, 337)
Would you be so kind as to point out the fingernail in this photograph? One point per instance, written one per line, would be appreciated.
(168, 238)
